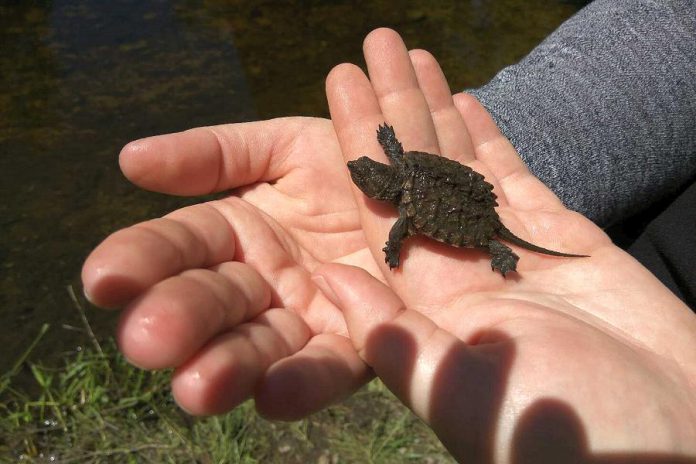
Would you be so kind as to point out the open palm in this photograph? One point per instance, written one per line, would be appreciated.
(593, 351)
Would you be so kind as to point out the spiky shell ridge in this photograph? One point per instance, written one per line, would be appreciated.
(447, 201)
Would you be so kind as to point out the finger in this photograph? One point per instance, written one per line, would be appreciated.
(133, 259)
(224, 373)
(370, 307)
(356, 114)
(452, 135)
(211, 159)
(397, 90)
(455, 388)
(177, 316)
(521, 189)
(492, 147)
(357, 111)
(325, 371)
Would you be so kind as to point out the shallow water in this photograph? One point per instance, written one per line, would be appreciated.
(80, 78)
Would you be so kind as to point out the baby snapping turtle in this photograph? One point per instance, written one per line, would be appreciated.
(439, 198)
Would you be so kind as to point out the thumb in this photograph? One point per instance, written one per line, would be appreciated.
(401, 345)
(453, 387)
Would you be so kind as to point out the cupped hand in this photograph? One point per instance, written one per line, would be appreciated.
(569, 360)
(221, 291)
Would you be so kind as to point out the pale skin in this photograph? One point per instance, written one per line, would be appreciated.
(280, 291)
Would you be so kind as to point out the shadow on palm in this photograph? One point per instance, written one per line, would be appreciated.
(470, 403)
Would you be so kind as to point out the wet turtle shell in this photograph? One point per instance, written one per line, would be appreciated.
(439, 198)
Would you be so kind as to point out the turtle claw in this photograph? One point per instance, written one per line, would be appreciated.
(391, 255)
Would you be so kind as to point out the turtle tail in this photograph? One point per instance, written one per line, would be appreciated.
(505, 234)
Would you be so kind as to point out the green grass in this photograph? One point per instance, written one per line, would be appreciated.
(97, 408)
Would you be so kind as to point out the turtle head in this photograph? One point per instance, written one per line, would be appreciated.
(376, 180)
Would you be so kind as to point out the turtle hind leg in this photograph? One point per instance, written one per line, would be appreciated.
(390, 144)
(503, 259)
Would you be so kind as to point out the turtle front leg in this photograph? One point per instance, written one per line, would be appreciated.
(397, 234)
(390, 144)
(502, 257)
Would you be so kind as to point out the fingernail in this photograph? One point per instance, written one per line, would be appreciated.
(326, 289)
(87, 296)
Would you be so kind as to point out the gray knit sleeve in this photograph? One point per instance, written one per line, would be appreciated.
(604, 110)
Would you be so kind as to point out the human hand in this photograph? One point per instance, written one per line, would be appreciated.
(573, 360)
(221, 291)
